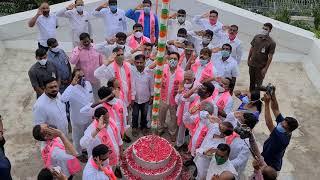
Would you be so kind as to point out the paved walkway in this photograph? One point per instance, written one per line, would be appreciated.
(296, 95)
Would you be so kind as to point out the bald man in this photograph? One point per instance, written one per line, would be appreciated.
(183, 103)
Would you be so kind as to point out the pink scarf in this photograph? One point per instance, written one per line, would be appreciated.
(152, 25)
(107, 170)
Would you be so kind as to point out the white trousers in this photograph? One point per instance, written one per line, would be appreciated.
(77, 134)
(202, 162)
(181, 135)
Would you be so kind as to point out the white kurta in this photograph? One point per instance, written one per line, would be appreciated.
(50, 111)
(105, 73)
(89, 142)
(91, 173)
(239, 154)
(59, 158)
(78, 97)
(218, 169)
(202, 161)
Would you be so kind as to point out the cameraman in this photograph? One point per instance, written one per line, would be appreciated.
(274, 147)
(239, 141)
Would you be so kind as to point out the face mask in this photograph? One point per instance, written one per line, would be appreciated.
(181, 20)
(203, 62)
(201, 93)
(264, 32)
(225, 53)
(119, 59)
(138, 34)
(220, 88)
(173, 63)
(213, 21)
(43, 62)
(120, 46)
(181, 39)
(56, 49)
(245, 100)
(112, 102)
(146, 10)
(113, 8)
(147, 53)
(280, 128)
(204, 114)
(205, 40)
(187, 86)
(79, 9)
(46, 13)
(220, 160)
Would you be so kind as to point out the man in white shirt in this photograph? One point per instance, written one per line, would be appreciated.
(103, 130)
(203, 39)
(120, 39)
(49, 108)
(144, 94)
(116, 67)
(215, 136)
(56, 149)
(79, 20)
(178, 44)
(47, 23)
(176, 22)
(114, 18)
(210, 21)
(220, 162)
(97, 167)
(225, 64)
(78, 94)
(232, 39)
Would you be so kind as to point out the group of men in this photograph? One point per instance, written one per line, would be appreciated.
(115, 78)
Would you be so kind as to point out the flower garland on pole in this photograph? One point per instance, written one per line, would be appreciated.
(160, 61)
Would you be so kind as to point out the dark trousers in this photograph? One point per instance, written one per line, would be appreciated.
(256, 77)
(143, 109)
(40, 46)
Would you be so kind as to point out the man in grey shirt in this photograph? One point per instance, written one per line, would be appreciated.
(41, 71)
(59, 58)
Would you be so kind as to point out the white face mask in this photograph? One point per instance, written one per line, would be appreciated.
(264, 32)
(181, 39)
(56, 49)
(206, 40)
(204, 114)
(138, 34)
(120, 45)
(181, 19)
(43, 62)
(172, 63)
(79, 9)
(187, 86)
(113, 101)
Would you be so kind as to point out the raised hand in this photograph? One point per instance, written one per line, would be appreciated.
(104, 5)
(139, 7)
(210, 151)
(205, 15)
(71, 6)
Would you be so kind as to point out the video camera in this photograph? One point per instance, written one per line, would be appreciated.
(243, 131)
(269, 89)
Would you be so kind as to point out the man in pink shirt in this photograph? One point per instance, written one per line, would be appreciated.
(88, 59)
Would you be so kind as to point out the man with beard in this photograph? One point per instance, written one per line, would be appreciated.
(49, 108)
(88, 59)
(47, 24)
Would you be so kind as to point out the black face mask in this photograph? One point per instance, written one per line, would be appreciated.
(202, 93)
(45, 13)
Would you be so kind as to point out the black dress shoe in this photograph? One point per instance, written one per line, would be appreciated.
(188, 163)
(117, 172)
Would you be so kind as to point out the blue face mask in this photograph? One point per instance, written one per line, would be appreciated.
(280, 128)
(245, 100)
(113, 8)
(225, 53)
(203, 62)
(146, 10)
